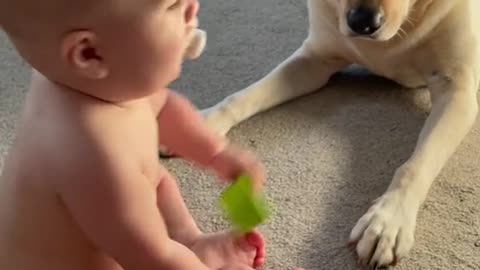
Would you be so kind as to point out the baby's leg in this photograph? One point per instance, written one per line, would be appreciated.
(215, 250)
(180, 224)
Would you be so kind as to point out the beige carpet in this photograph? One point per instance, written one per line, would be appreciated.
(328, 155)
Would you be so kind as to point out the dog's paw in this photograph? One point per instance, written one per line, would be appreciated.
(385, 233)
(218, 119)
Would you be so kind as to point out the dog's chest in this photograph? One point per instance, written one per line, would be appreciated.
(397, 65)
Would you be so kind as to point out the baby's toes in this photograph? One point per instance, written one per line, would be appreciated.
(237, 267)
(254, 242)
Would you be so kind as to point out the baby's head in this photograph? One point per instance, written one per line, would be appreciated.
(113, 49)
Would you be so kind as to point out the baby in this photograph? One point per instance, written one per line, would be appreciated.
(82, 187)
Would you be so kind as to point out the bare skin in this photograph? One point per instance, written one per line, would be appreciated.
(62, 197)
(82, 187)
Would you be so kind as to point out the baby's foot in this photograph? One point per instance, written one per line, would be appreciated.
(219, 250)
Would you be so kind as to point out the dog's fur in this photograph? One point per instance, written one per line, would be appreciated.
(422, 42)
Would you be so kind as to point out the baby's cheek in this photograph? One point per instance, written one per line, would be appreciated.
(168, 70)
(173, 57)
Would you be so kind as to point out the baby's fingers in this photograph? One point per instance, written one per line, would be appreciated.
(256, 171)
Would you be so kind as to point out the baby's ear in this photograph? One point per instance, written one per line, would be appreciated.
(80, 52)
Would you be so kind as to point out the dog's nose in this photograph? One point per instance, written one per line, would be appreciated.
(364, 21)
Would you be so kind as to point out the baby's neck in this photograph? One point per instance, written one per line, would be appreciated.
(42, 82)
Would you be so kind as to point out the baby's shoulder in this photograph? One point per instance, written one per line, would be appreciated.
(80, 140)
(83, 136)
(68, 133)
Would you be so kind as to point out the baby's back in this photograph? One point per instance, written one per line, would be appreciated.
(36, 230)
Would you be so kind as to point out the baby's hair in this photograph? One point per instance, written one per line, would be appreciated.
(31, 17)
(34, 17)
(25, 15)
(37, 28)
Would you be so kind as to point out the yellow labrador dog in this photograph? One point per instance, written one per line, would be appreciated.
(413, 42)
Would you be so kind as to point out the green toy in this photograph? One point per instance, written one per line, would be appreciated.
(244, 208)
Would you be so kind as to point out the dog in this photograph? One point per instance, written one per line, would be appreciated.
(433, 43)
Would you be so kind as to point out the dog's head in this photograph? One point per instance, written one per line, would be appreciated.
(374, 19)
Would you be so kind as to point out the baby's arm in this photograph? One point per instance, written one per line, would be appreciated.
(115, 205)
(184, 132)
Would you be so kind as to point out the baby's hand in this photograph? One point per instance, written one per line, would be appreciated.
(233, 162)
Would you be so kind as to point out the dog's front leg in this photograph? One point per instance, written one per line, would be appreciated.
(303, 72)
(386, 232)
